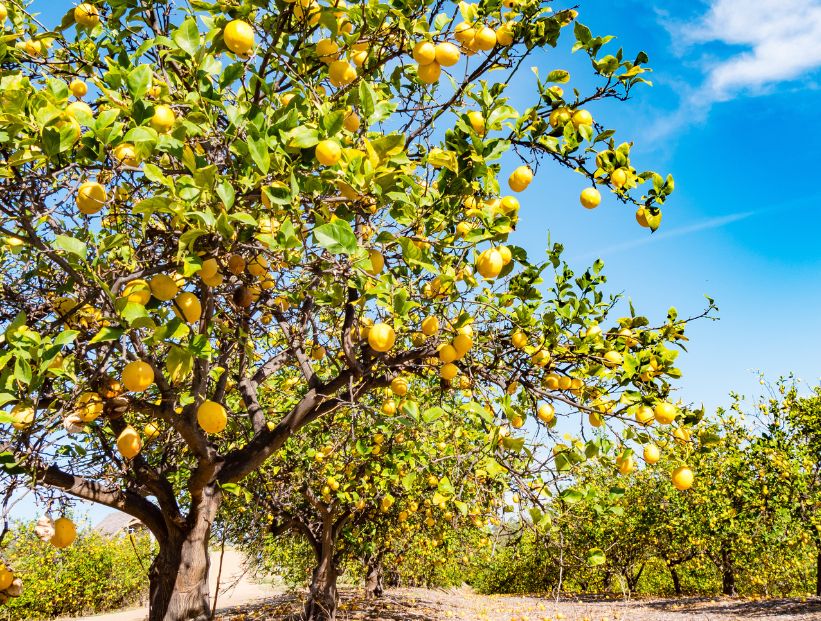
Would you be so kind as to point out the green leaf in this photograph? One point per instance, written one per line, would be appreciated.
(367, 99)
(71, 245)
(107, 334)
(432, 414)
(337, 237)
(513, 444)
(439, 158)
(571, 496)
(22, 370)
(187, 36)
(302, 137)
(139, 81)
(258, 149)
(559, 75)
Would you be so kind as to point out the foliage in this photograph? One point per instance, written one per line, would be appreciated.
(92, 575)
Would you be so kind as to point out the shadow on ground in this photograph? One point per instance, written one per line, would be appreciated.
(744, 608)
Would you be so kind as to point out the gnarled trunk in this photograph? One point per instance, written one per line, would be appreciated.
(323, 595)
(178, 578)
(818, 571)
(676, 580)
(727, 573)
(373, 578)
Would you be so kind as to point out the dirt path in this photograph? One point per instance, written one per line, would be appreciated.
(236, 589)
(464, 605)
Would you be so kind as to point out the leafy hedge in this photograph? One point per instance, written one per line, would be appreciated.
(92, 575)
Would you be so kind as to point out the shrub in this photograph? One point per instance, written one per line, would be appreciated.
(92, 575)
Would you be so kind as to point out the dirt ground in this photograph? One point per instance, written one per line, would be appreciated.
(464, 605)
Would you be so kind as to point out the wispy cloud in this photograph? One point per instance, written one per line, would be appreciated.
(779, 41)
(768, 43)
(705, 225)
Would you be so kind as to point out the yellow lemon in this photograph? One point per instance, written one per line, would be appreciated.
(125, 154)
(485, 38)
(86, 15)
(78, 88)
(129, 443)
(163, 119)
(163, 287)
(477, 121)
(64, 533)
(89, 406)
(341, 72)
(91, 196)
(351, 121)
(665, 412)
(447, 54)
(399, 386)
(137, 292)
(683, 478)
(137, 376)
(462, 344)
(618, 177)
(22, 416)
(546, 412)
(381, 337)
(645, 415)
(187, 307)
(212, 417)
(490, 263)
(582, 117)
(328, 152)
(327, 50)
(239, 37)
(651, 454)
(590, 198)
(430, 73)
(430, 325)
(424, 53)
(448, 371)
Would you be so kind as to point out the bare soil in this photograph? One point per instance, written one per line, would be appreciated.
(464, 605)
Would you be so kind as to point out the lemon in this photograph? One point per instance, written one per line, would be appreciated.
(351, 121)
(64, 533)
(327, 50)
(485, 38)
(447, 353)
(78, 88)
(448, 371)
(381, 337)
(651, 454)
(520, 178)
(137, 376)
(582, 117)
(91, 196)
(477, 121)
(665, 412)
(618, 177)
(424, 53)
(447, 54)
(211, 417)
(683, 478)
(429, 74)
(462, 344)
(546, 412)
(86, 15)
(341, 73)
(399, 386)
(22, 416)
(328, 152)
(430, 325)
(490, 263)
(137, 292)
(187, 307)
(239, 37)
(125, 154)
(645, 415)
(163, 119)
(129, 443)
(163, 287)
(590, 198)
(464, 32)
(89, 406)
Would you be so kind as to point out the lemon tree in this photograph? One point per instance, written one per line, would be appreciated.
(205, 197)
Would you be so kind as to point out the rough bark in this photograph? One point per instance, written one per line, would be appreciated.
(373, 579)
(178, 578)
(676, 580)
(323, 595)
(818, 573)
(727, 573)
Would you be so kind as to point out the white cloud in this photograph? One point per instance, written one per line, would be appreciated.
(780, 41)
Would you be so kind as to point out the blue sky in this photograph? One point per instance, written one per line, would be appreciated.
(733, 115)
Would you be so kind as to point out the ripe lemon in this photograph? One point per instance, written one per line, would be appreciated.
(91, 196)
(389, 407)
(187, 307)
(447, 353)
(665, 412)
(129, 443)
(89, 406)
(137, 376)
(507, 256)
(462, 344)
(318, 352)
(430, 73)
(590, 198)
(565, 383)
(216, 280)
(381, 337)
(86, 15)
(22, 416)
(4, 13)
(613, 358)
(641, 217)
(559, 117)
(351, 122)
(582, 117)
(448, 371)
(78, 88)
(618, 177)
(163, 119)
(6, 578)
(327, 50)
(490, 263)
(520, 178)
(509, 204)
(595, 419)
(236, 264)
(424, 53)
(211, 417)
(551, 382)
(328, 152)
(464, 32)
(541, 358)
(79, 110)
(64, 533)
(258, 266)
(125, 154)
(430, 325)
(645, 415)
(546, 412)
(163, 287)
(519, 339)
(683, 478)
(626, 464)
(239, 37)
(651, 454)
(209, 268)
(485, 38)
(681, 435)
(477, 121)
(151, 431)
(399, 386)
(341, 72)
(504, 34)
(447, 54)
(137, 292)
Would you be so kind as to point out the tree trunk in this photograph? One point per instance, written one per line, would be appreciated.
(727, 574)
(178, 578)
(818, 573)
(676, 579)
(373, 579)
(323, 595)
